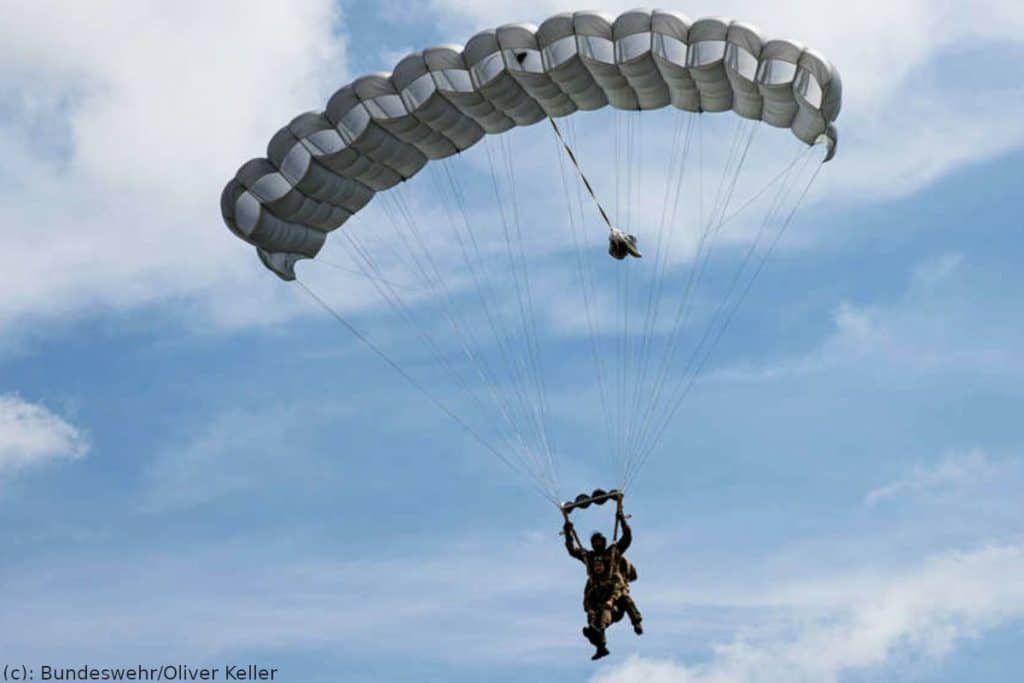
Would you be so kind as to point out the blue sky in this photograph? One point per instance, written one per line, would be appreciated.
(197, 465)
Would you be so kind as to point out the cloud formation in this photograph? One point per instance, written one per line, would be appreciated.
(118, 129)
(934, 325)
(971, 468)
(847, 624)
(30, 434)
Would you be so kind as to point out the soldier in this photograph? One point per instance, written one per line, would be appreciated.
(606, 595)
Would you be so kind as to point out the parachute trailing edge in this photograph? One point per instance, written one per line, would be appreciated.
(382, 128)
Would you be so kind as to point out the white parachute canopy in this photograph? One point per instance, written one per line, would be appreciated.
(489, 260)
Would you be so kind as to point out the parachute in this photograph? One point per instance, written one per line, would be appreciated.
(471, 258)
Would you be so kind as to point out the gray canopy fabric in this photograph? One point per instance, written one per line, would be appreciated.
(382, 128)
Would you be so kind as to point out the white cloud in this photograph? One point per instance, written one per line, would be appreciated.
(240, 451)
(858, 329)
(849, 624)
(967, 469)
(437, 598)
(120, 125)
(934, 325)
(933, 272)
(454, 595)
(30, 434)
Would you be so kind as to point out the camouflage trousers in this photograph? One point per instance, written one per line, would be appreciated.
(625, 606)
(603, 613)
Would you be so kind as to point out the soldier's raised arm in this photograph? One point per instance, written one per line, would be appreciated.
(570, 541)
(627, 534)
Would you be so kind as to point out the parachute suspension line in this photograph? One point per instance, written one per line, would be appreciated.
(612, 345)
(517, 266)
(623, 176)
(583, 274)
(620, 365)
(634, 357)
(531, 319)
(438, 284)
(428, 269)
(485, 372)
(662, 249)
(652, 400)
(674, 177)
(719, 220)
(658, 425)
(422, 389)
(352, 271)
(605, 377)
(625, 170)
(579, 170)
(392, 206)
(731, 172)
(634, 162)
(513, 267)
(394, 299)
(500, 337)
(760, 193)
(520, 378)
(618, 166)
(727, 303)
(407, 218)
(398, 304)
(735, 305)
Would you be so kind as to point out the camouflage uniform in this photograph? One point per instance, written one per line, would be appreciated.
(606, 595)
(623, 602)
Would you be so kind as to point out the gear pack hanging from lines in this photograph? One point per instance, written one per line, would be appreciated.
(620, 244)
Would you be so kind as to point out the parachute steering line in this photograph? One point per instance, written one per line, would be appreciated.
(729, 309)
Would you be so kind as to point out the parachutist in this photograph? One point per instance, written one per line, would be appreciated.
(606, 596)
(621, 245)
